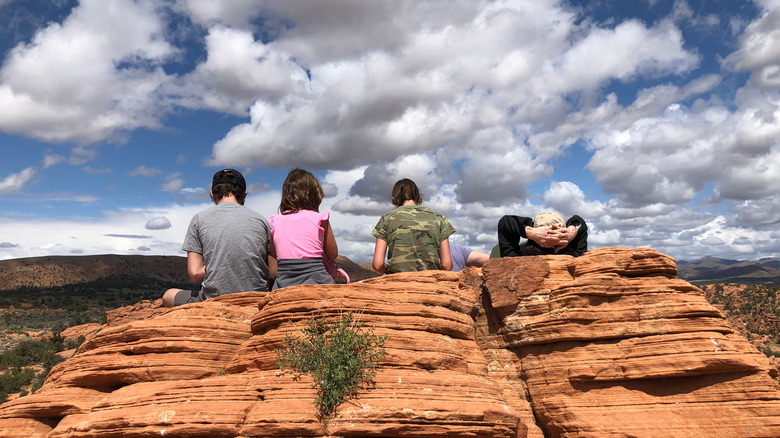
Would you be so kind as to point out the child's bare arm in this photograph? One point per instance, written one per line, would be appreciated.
(444, 255)
(379, 256)
(196, 267)
(271, 261)
(330, 247)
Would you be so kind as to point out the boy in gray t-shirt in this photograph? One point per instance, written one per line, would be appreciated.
(227, 245)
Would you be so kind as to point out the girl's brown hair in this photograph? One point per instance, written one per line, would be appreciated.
(300, 191)
(404, 190)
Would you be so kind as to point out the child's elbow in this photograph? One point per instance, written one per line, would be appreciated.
(197, 276)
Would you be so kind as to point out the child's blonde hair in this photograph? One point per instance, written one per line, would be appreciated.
(300, 191)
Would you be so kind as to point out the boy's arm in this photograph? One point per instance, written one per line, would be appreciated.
(196, 267)
(477, 258)
(510, 230)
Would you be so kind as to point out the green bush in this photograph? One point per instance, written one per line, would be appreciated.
(13, 380)
(338, 354)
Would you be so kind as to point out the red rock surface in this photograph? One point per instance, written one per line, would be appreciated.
(608, 344)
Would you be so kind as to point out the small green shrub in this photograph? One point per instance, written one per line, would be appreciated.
(338, 354)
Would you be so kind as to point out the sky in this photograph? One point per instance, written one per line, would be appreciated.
(657, 121)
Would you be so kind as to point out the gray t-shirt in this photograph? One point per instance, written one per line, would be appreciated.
(234, 241)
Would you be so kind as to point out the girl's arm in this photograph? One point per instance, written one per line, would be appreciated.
(379, 256)
(330, 247)
(271, 262)
(444, 255)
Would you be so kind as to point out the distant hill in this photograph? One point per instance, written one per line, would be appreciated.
(713, 269)
(121, 270)
(355, 271)
(53, 271)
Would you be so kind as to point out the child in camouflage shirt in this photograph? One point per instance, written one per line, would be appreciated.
(414, 237)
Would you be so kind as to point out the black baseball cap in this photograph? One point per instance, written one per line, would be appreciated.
(223, 177)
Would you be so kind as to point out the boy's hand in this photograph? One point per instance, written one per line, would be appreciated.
(549, 237)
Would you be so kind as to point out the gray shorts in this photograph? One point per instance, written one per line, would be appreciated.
(186, 297)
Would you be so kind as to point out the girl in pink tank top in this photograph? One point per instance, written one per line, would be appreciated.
(302, 238)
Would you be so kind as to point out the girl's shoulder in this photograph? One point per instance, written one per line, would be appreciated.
(307, 214)
(420, 210)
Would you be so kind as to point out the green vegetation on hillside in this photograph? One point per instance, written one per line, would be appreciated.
(17, 365)
(33, 310)
(32, 320)
(754, 306)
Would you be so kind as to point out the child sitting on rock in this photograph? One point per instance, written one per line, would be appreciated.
(414, 237)
(302, 238)
(547, 233)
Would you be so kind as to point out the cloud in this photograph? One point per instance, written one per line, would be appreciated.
(16, 181)
(6, 245)
(405, 92)
(330, 190)
(239, 71)
(759, 50)
(93, 171)
(145, 171)
(173, 183)
(238, 13)
(67, 197)
(128, 236)
(254, 188)
(197, 190)
(109, 234)
(116, 47)
(491, 107)
(52, 159)
(158, 223)
(670, 158)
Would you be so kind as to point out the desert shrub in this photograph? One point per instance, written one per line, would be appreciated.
(31, 352)
(339, 355)
(13, 380)
(74, 343)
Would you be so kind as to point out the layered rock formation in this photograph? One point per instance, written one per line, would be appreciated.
(608, 344)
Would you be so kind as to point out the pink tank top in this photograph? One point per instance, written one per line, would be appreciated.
(299, 235)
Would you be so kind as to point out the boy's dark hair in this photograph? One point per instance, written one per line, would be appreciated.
(300, 191)
(405, 190)
(228, 182)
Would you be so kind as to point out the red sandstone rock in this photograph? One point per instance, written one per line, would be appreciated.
(72, 333)
(607, 344)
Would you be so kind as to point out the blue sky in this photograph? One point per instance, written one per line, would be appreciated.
(658, 121)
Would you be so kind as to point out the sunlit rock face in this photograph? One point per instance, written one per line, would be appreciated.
(607, 344)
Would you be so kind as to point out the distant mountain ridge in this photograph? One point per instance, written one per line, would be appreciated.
(53, 271)
(713, 269)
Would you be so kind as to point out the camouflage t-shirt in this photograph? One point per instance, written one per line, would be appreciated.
(413, 234)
